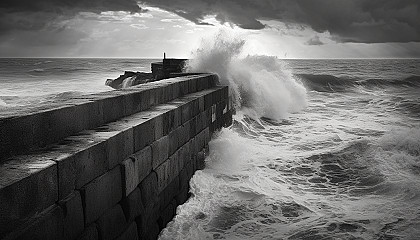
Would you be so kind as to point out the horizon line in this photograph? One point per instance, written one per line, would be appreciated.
(352, 58)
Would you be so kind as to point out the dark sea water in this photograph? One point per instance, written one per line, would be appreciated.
(319, 149)
(343, 164)
(28, 81)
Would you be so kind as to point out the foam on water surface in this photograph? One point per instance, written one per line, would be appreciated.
(308, 164)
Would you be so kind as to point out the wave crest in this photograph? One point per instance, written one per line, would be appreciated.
(260, 85)
(330, 83)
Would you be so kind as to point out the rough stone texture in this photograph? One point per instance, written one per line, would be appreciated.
(184, 178)
(112, 223)
(149, 189)
(160, 150)
(183, 195)
(45, 124)
(167, 214)
(130, 233)
(101, 194)
(168, 194)
(80, 160)
(151, 233)
(120, 147)
(144, 134)
(183, 155)
(90, 233)
(73, 215)
(48, 225)
(174, 140)
(167, 172)
(132, 205)
(27, 186)
(136, 168)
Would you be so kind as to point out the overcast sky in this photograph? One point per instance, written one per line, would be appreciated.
(286, 28)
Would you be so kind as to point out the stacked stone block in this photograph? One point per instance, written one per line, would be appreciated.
(117, 180)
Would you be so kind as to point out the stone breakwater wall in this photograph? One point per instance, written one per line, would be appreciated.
(113, 165)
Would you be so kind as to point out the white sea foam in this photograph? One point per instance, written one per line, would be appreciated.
(128, 82)
(398, 153)
(261, 85)
(2, 104)
(331, 171)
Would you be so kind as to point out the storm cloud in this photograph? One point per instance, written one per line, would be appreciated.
(360, 21)
(364, 21)
(41, 14)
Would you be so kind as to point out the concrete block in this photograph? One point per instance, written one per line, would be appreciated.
(195, 108)
(161, 125)
(184, 177)
(168, 92)
(90, 233)
(227, 119)
(82, 159)
(101, 194)
(201, 139)
(130, 233)
(183, 155)
(185, 112)
(202, 83)
(193, 127)
(176, 90)
(160, 151)
(184, 133)
(73, 221)
(224, 93)
(208, 117)
(208, 101)
(144, 134)
(192, 85)
(201, 156)
(132, 205)
(16, 134)
(221, 109)
(184, 88)
(159, 95)
(149, 233)
(207, 136)
(167, 172)
(149, 189)
(153, 97)
(213, 113)
(201, 106)
(47, 225)
(190, 168)
(174, 140)
(216, 95)
(192, 152)
(132, 102)
(183, 195)
(112, 224)
(135, 169)
(112, 107)
(175, 119)
(168, 194)
(146, 99)
(119, 147)
(28, 184)
(167, 214)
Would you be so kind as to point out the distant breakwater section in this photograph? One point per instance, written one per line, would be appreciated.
(112, 165)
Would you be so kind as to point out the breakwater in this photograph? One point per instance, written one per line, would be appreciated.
(112, 165)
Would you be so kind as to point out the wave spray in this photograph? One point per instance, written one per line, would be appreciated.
(261, 86)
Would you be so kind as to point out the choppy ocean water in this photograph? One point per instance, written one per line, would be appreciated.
(343, 165)
(26, 81)
(340, 159)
